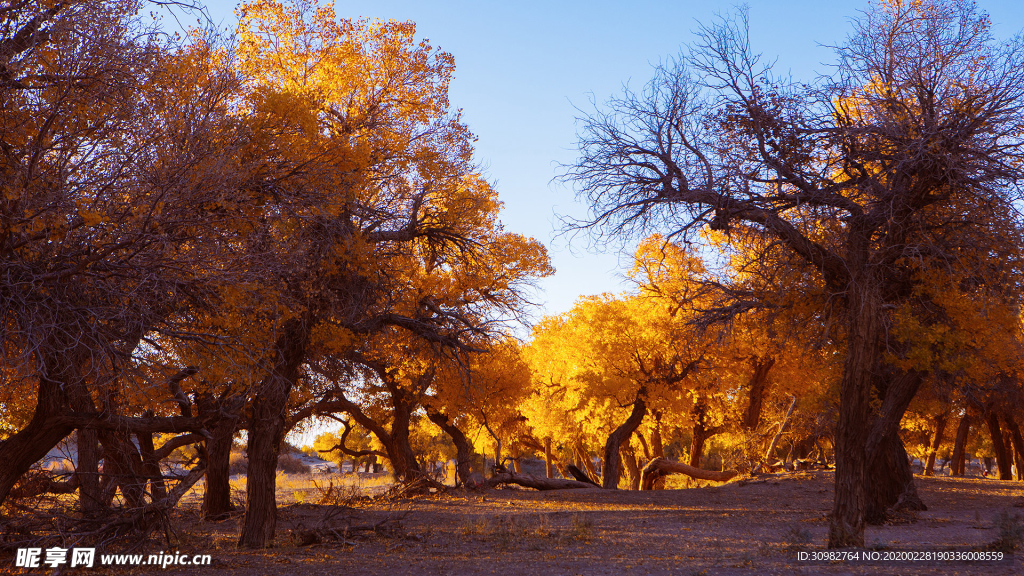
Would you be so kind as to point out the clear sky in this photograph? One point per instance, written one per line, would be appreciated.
(522, 69)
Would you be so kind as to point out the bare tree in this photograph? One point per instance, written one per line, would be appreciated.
(902, 160)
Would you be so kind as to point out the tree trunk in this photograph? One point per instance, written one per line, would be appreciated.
(957, 467)
(660, 467)
(1017, 443)
(890, 478)
(610, 480)
(1002, 457)
(757, 385)
(88, 471)
(529, 481)
(548, 468)
(44, 431)
(404, 466)
(584, 457)
(463, 448)
(119, 450)
(266, 432)
(701, 432)
(217, 495)
(940, 428)
(151, 466)
(846, 525)
(892, 481)
(657, 448)
(778, 434)
(629, 458)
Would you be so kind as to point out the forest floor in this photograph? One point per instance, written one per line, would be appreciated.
(753, 527)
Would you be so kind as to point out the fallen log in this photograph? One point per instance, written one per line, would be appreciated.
(530, 481)
(663, 467)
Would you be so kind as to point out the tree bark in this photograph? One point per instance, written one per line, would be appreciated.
(151, 467)
(88, 471)
(660, 467)
(44, 431)
(957, 466)
(224, 413)
(1017, 443)
(892, 481)
(584, 458)
(890, 478)
(266, 432)
(1002, 457)
(757, 385)
(846, 525)
(629, 458)
(463, 448)
(548, 468)
(529, 481)
(700, 432)
(940, 428)
(610, 479)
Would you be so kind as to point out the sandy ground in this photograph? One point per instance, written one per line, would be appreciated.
(753, 528)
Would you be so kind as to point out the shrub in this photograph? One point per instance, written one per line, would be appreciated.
(238, 463)
(291, 464)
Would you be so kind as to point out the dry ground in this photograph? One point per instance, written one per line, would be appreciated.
(753, 528)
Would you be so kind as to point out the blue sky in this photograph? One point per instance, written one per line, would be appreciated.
(522, 69)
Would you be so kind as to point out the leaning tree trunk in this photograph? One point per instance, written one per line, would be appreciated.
(1002, 457)
(892, 481)
(266, 432)
(846, 525)
(610, 479)
(661, 467)
(957, 466)
(44, 431)
(463, 448)
(940, 428)
(757, 385)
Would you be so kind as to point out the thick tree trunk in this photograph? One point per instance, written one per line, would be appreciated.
(266, 432)
(1002, 456)
(1017, 443)
(44, 431)
(88, 471)
(629, 458)
(892, 481)
(217, 495)
(957, 465)
(463, 447)
(890, 478)
(846, 525)
(940, 429)
(701, 432)
(610, 480)
(404, 466)
(756, 386)
(660, 467)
